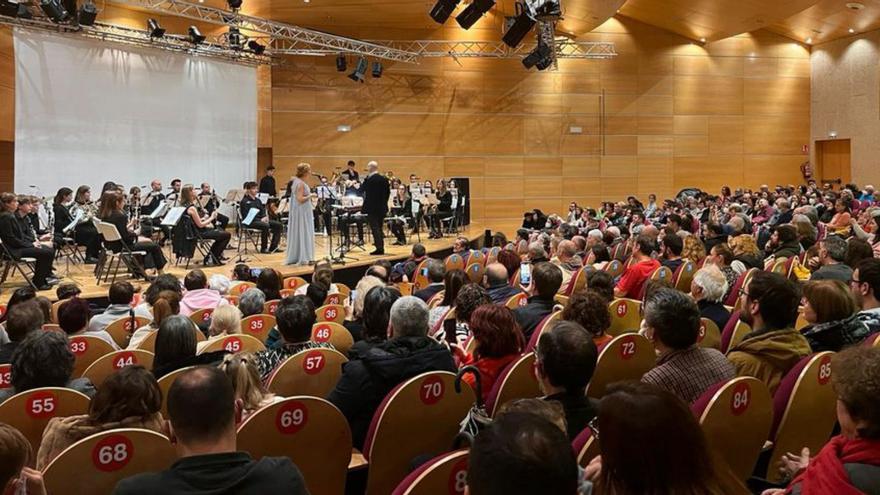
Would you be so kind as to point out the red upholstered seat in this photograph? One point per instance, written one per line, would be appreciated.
(586, 447)
(444, 474)
(542, 327)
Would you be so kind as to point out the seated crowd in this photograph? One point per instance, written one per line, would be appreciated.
(797, 273)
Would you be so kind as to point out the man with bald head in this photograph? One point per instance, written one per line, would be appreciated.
(567, 260)
(497, 283)
(376, 190)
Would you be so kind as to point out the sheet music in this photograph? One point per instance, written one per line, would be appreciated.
(159, 211)
(430, 199)
(252, 214)
(233, 195)
(173, 216)
(415, 207)
(75, 222)
(324, 192)
(263, 197)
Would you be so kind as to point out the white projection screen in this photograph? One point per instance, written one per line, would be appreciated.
(89, 112)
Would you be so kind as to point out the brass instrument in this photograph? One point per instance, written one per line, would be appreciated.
(89, 211)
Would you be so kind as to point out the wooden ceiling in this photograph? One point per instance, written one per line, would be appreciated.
(819, 20)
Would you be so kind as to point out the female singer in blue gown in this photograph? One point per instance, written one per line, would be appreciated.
(300, 223)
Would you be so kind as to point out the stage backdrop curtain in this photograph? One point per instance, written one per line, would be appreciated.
(88, 112)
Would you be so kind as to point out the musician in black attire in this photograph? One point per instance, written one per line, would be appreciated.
(443, 210)
(22, 244)
(267, 183)
(376, 193)
(149, 225)
(323, 212)
(111, 212)
(213, 204)
(402, 207)
(351, 175)
(261, 222)
(84, 234)
(174, 195)
(197, 218)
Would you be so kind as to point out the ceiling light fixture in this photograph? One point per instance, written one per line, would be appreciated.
(851, 30)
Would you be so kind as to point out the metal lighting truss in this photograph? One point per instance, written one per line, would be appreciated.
(138, 37)
(565, 48)
(274, 30)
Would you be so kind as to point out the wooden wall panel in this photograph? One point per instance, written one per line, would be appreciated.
(7, 110)
(676, 115)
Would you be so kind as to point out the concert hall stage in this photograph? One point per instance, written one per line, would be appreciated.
(348, 274)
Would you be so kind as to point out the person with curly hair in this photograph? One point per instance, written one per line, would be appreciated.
(589, 309)
(850, 462)
(44, 359)
(470, 297)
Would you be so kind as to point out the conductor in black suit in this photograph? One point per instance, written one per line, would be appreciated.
(376, 190)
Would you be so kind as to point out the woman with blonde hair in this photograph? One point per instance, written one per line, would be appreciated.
(746, 254)
(225, 321)
(242, 371)
(694, 249)
(354, 319)
(300, 222)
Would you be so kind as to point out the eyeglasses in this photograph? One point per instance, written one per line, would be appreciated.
(854, 281)
(593, 425)
(742, 292)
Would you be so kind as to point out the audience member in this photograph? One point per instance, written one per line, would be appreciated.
(269, 282)
(16, 455)
(128, 398)
(242, 273)
(453, 281)
(568, 261)
(377, 312)
(651, 443)
(219, 283)
(865, 285)
(295, 317)
(722, 257)
(164, 304)
(671, 247)
(225, 321)
(746, 253)
(832, 253)
(498, 342)
(773, 347)
(672, 323)
(497, 283)
(521, 452)
(409, 352)
(207, 458)
(470, 297)
(43, 359)
(251, 302)
(21, 319)
(176, 347)
(241, 369)
(849, 462)
(66, 291)
(602, 283)
(120, 296)
(546, 280)
(708, 288)
(510, 260)
(589, 309)
(856, 251)
(354, 321)
(565, 359)
(630, 284)
(198, 295)
(830, 309)
(435, 273)
(73, 318)
(693, 249)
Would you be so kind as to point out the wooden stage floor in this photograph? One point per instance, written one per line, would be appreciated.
(82, 275)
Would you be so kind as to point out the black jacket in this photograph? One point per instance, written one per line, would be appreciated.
(430, 291)
(267, 185)
(715, 312)
(247, 203)
(579, 411)
(215, 474)
(119, 219)
(529, 316)
(501, 293)
(156, 199)
(366, 382)
(376, 190)
(12, 235)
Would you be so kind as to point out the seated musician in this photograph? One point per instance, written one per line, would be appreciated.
(351, 215)
(84, 234)
(174, 195)
(261, 222)
(153, 200)
(402, 208)
(323, 210)
(442, 210)
(112, 212)
(202, 221)
(213, 205)
(22, 244)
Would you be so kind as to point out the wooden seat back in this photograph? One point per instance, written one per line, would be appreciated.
(516, 381)
(86, 350)
(444, 474)
(331, 312)
(333, 333)
(269, 307)
(114, 361)
(625, 316)
(240, 288)
(97, 463)
(308, 430)
(313, 372)
(710, 335)
(517, 301)
(234, 344)
(122, 329)
(293, 283)
(29, 412)
(625, 357)
(201, 316)
(258, 326)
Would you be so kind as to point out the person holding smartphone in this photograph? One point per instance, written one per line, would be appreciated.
(544, 281)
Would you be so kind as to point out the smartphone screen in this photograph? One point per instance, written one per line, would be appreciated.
(255, 272)
(525, 274)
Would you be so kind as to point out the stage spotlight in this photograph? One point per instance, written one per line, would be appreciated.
(8, 9)
(341, 63)
(155, 30)
(195, 35)
(377, 69)
(54, 10)
(473, 12)
(236, 40)
(360, 71)
(443, 9)
(522, 24)
(539, 57)
(255, 47)
(87, 14)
